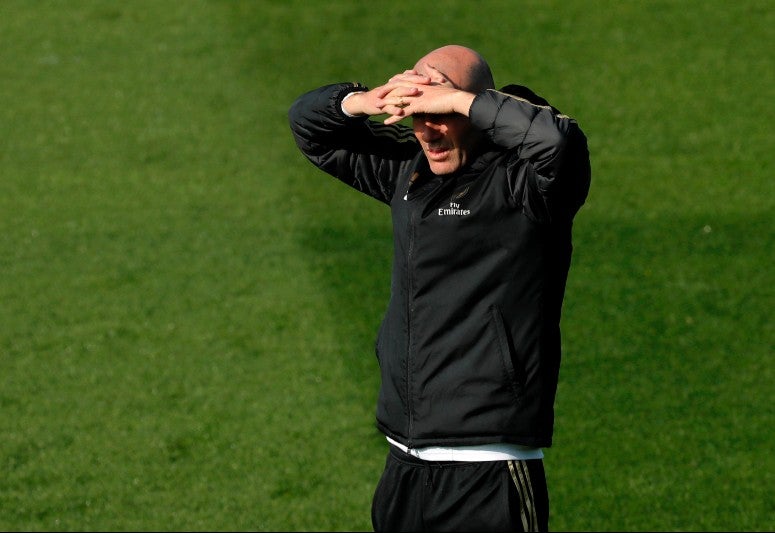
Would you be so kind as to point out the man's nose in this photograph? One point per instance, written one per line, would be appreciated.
(431, 130)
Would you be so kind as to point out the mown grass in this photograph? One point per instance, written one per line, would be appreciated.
(189, 308)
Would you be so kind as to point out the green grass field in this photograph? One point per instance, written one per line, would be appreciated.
(189, 307)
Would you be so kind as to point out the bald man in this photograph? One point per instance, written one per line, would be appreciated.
(482, 189)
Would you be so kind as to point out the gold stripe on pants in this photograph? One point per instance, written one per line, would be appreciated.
(521, 478)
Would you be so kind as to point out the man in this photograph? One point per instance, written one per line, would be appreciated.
(483, 190)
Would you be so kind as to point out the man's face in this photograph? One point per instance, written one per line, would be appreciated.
(447, 140)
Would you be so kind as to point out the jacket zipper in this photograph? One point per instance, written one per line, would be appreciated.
(409, 313)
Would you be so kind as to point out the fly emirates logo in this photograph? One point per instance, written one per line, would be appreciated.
(453, 210)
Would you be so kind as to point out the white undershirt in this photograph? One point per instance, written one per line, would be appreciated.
(481, 452)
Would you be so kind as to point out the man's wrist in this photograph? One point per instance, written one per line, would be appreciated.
(344, 108)
(463, 102)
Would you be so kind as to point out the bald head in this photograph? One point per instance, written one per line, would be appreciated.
(462, 66)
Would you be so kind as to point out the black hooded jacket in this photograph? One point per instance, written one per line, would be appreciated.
(469, 347)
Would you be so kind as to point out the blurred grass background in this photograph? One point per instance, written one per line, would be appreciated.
(189, 308)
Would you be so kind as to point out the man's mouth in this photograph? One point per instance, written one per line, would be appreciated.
(437, 152)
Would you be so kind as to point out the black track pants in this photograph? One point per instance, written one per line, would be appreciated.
(417, 495)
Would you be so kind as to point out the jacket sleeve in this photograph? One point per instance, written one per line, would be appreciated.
(364, 154)
(549, 172)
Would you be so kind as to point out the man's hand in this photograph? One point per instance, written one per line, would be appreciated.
(374, 102)
(411, 92)
(428, 99)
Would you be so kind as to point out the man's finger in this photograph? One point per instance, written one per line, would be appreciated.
(439, 77)
(410, 76)
(392, 119)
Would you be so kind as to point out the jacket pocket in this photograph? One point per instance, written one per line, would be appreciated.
(505, 349)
